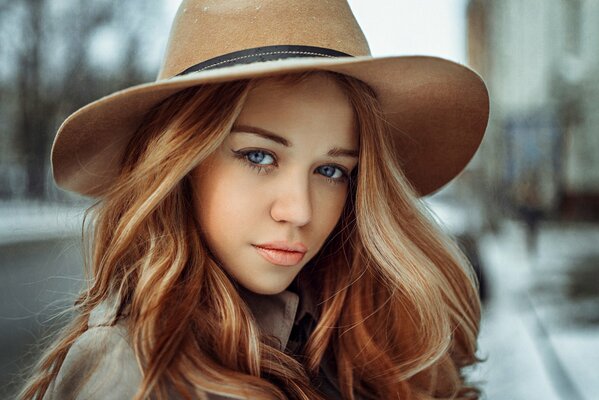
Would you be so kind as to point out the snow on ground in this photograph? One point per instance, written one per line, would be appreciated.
(514, 368)
(566, 299)
(534, 351)
(579, 351)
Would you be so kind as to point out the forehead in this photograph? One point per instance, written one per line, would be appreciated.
(316, 109)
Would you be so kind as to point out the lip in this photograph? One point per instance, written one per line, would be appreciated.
(280, 245)
(280, 257)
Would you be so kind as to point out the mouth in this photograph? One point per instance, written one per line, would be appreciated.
(280, 257)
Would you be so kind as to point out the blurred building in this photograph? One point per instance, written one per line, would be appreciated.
(540, 59)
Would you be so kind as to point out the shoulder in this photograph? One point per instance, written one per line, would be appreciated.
(100, 364)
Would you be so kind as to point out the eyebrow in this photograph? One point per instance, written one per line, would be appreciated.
(263, 133)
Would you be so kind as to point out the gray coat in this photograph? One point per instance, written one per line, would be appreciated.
(105, 354)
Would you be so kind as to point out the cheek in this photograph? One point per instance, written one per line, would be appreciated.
(330, 208)
(222, 197)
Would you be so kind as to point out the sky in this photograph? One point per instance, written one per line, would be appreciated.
(431, 27)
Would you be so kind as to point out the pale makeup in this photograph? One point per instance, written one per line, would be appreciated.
(254, 190)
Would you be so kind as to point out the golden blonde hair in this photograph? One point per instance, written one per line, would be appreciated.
(399, 308)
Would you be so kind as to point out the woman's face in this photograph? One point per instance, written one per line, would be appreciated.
(280, 176)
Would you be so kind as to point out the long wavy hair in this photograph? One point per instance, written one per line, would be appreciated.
(398, 301)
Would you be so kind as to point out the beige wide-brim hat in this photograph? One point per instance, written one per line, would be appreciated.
(437, 109)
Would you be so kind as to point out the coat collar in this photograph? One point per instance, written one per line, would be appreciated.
(275, 314)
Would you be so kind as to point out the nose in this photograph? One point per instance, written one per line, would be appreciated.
(292, 202)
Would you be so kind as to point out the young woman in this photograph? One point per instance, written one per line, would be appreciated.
(258, 231)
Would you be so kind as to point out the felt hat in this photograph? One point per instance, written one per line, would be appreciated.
(437, 109)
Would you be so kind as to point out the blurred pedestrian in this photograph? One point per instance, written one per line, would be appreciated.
(258, 231)
(529, 208)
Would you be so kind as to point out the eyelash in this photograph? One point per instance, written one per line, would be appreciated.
(242, 156)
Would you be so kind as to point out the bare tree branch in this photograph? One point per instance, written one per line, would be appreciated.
(44, 96)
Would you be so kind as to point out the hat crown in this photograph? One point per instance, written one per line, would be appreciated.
(204, 29)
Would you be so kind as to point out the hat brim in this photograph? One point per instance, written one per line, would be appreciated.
(437, 111)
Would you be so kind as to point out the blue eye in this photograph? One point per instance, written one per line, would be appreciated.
(331, 171)
(255, 159)
(257, 156)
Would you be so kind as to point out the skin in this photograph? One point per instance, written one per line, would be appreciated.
(238, 206)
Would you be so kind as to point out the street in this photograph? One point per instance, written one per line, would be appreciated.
(540, 329)
(37, 280)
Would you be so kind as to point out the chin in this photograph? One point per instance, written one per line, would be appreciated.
(267, 291)
(261, 288)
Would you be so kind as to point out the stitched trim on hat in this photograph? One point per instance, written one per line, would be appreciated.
(265, 54)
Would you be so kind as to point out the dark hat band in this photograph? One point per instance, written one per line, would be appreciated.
(264, 53)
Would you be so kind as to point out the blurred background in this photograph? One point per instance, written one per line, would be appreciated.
(525, 210)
